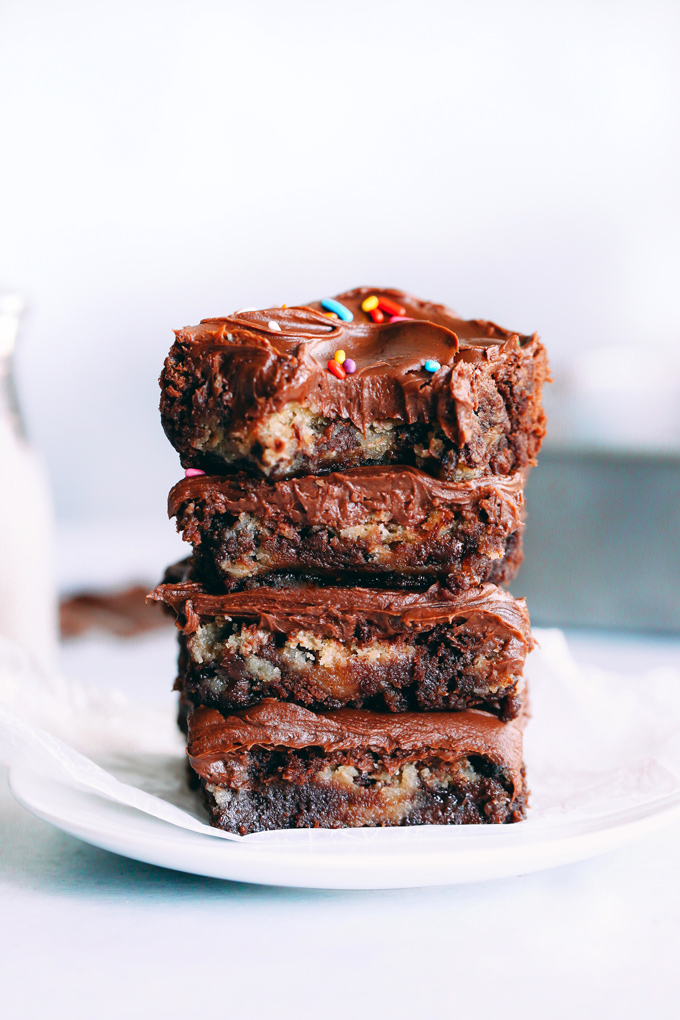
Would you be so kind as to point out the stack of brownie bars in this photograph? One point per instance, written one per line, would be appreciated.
(354, 499)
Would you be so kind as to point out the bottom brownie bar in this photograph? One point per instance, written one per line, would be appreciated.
(280, 766)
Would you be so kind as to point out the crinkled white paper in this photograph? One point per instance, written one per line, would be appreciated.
(597, 742)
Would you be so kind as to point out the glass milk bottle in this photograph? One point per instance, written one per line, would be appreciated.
(28, 598)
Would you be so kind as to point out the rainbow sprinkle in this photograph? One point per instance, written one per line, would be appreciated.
(336, 370)
(331, 305)
(391, 307)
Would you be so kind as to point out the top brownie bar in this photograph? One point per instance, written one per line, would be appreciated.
(253, 391)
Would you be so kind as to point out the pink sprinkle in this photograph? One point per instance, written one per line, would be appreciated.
(193, 472)
(401, 318)
(349, 366)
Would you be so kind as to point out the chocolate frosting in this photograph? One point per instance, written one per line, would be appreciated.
(404, 495)
(275, 724)
(335, 612)
(258, 367)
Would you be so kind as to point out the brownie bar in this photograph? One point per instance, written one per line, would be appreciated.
(390, 527)
(330, 647)
(280, 766)
(253, 392)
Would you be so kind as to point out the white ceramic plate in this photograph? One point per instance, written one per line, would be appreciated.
(344, 859)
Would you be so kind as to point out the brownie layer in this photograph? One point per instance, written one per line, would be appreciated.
(395, 527)
(281, 766)
(331, 647)
(252, 391)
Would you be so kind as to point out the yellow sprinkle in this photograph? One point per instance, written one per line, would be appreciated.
(339, 357)
(330, 315)
(284, 306)
(369, 303)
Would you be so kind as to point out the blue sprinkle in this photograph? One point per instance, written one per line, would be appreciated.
(334, 306)
(432, 365)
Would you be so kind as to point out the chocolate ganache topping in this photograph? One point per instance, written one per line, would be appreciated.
(271, 724)
(404, 495)
(334, 612)
(267, 358)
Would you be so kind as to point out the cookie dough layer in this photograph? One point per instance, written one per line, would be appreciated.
(281, 766)
(395, 527)
(252, 392)
(331, 647)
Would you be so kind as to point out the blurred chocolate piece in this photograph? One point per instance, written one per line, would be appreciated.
(123, 613)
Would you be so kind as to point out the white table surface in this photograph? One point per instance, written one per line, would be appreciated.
(85, 933)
